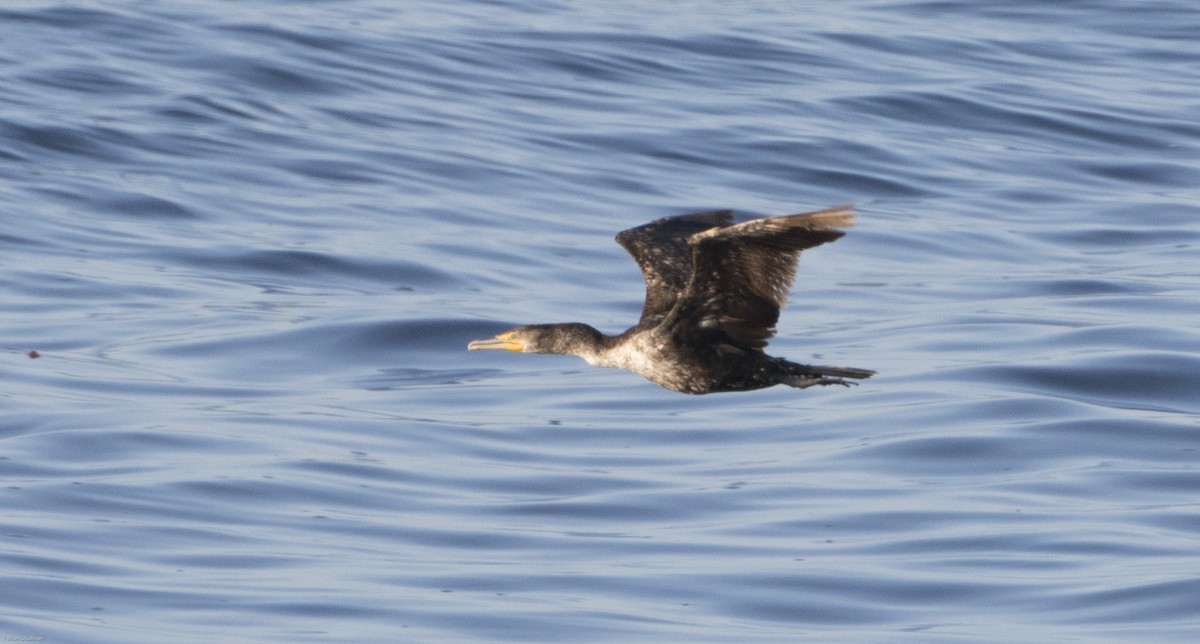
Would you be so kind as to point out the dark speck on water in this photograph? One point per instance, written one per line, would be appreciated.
(255, 238)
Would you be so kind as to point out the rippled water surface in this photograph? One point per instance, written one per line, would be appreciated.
(244, 246)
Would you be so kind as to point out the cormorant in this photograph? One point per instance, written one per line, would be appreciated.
(713, 293)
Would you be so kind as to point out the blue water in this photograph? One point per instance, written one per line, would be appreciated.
(249, 242)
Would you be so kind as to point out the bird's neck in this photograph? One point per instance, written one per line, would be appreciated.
(620, 351)
(578, 339)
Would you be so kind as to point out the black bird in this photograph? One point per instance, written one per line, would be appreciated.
(713, 293)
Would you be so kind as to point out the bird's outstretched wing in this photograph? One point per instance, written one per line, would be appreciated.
(661, 250)
(741, 274)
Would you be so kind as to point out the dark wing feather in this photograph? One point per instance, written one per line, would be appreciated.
(661, 250)
(742, 273)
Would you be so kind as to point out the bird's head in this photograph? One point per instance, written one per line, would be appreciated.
(541, 338)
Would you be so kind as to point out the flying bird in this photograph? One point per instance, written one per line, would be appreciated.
(714, 289)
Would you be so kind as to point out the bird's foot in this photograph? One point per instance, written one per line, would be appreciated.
(803, 382)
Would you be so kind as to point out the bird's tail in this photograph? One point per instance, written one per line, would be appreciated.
(807, 375)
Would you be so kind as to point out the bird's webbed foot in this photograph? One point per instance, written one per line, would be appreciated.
(803, 382)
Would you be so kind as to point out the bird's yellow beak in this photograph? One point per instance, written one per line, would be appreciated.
(507, 341)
